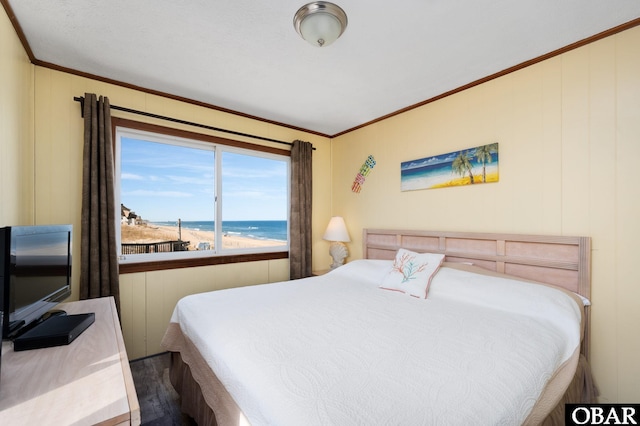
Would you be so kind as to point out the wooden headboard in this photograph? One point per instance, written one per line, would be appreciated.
(557, 260)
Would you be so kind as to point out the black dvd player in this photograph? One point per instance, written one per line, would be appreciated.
(54, 331)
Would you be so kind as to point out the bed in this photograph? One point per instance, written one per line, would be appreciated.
(497, 334)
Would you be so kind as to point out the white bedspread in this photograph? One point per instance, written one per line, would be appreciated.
(338, 350)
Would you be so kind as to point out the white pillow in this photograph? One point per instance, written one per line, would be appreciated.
(367, 270)
(411, 272)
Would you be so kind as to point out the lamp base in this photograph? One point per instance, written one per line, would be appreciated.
(338, 252)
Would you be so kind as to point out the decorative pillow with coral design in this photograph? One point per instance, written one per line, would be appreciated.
(411, 272)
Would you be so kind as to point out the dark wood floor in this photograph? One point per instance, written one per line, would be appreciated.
(159, 402)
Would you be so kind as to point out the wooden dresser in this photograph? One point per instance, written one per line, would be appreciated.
(86, 382)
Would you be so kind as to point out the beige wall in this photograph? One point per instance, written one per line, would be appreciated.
(16, 129)
(569, 135)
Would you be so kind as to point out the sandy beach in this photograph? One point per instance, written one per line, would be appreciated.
(156, 233)
(491, 177)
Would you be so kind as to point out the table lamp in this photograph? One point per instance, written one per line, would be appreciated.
(337, 233)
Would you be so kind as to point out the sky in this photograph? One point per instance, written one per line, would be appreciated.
(162, 182)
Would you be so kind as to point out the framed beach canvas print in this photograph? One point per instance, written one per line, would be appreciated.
(465, 167)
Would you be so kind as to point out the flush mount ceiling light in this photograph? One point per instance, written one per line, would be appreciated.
(320, 22)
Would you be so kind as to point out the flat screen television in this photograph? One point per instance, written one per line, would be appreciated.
(35, 273)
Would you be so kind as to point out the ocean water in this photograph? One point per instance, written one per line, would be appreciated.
(256, 229)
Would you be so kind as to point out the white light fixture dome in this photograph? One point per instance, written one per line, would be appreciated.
(320, 22)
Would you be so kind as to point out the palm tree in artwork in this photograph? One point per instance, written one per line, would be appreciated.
(462, 164)
(483, 154)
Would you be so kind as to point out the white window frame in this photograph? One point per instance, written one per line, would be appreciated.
(218, 149)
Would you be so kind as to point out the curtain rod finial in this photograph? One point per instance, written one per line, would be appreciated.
(81, 100)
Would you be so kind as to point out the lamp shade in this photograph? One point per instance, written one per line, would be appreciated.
(320, 23)
(336, 230)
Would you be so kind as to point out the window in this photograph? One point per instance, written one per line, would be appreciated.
(184, 195)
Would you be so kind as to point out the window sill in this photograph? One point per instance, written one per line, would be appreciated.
(129, 268)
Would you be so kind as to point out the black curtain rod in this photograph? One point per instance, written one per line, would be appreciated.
(176, 120)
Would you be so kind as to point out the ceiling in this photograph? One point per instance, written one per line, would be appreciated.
(245, 56)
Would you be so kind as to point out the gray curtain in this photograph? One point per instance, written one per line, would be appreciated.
(300, 217)
(99, 261)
